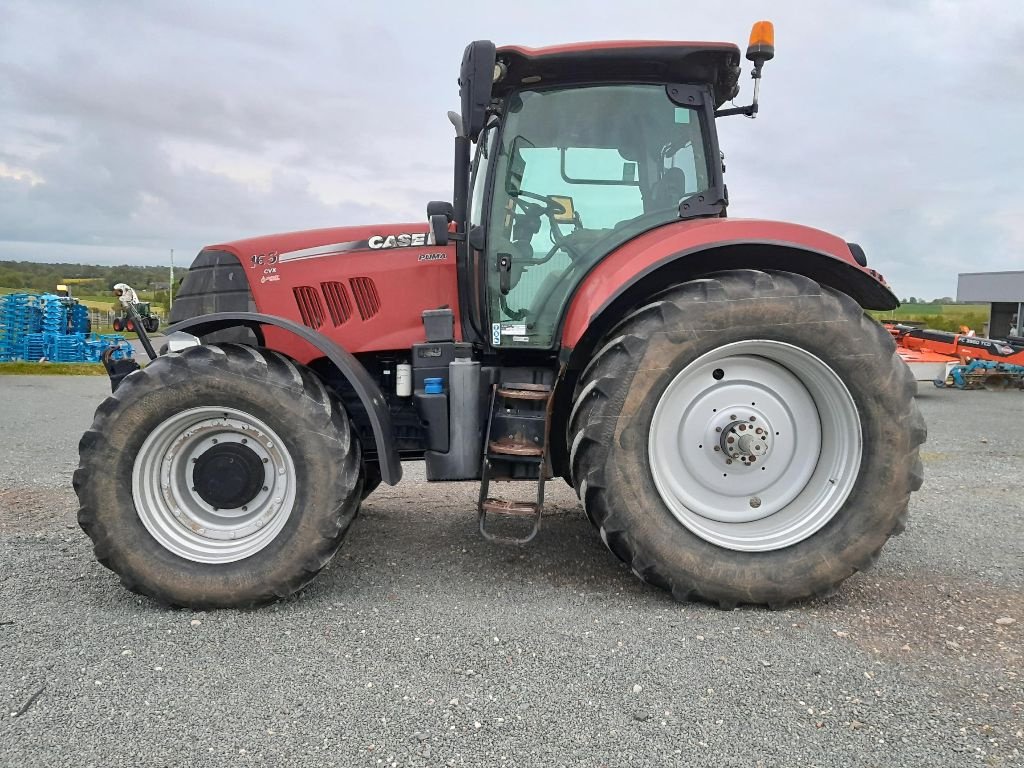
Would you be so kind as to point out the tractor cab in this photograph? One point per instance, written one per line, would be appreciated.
(579, 149)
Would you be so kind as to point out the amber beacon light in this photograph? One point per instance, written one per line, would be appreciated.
(760, 49)
(762, 42)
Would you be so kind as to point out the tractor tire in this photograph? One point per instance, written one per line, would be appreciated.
(220, 476)
(151, 324)
(747, 438)
(117, 324)
(371, 478)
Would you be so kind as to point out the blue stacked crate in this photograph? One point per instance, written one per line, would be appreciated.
(35, 346)
(92, 348)
(122, 347)
(95, 345)
(79, 318)
(69, 348)
(8, 335)
(19, 315)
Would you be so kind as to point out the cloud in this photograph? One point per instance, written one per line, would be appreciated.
(130, 129)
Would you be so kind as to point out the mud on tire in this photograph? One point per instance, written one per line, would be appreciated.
(268, 387)
(619, 391)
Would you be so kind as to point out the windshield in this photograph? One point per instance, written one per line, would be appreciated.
(578, 171)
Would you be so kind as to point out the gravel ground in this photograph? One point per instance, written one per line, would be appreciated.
(423, 645)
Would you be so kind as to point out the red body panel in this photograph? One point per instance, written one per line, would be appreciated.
(622, 265)
(382, 314)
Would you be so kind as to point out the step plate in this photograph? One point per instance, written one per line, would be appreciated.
(511, 508)
(509, 446)
(520, 393)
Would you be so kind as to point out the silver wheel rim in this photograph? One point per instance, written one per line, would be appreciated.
(756, 445)
(183, 522)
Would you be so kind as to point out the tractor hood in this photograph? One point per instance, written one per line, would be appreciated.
(268, 250)
(365, 288)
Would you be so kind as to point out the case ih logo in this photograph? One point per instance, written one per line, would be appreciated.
(397, 241)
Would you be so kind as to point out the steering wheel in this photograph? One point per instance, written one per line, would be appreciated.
(551, 206)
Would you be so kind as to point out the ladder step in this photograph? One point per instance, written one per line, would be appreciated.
(510, 446)
(524, 392)
(512, 508)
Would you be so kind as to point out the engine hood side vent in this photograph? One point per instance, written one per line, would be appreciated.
(339, 305)
(367, 299)
(310, 307)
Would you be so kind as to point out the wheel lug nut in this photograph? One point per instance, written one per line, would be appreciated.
(728, 461)
(718, 429)
(717, 448)
(753, 419)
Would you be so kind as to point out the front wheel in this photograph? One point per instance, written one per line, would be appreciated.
(221, 476)
(747, 438)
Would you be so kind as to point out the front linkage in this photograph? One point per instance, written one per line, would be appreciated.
(117, 370)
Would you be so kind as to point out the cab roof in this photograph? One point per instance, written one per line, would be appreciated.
(650, 61)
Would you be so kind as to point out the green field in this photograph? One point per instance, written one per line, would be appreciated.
(942, 317)
(24, 368)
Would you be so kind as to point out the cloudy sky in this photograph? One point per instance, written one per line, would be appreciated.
(130, 128)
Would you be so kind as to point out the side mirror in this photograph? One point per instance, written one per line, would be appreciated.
(475, 79)
(440, 214)
(439, 207)
(438, 230)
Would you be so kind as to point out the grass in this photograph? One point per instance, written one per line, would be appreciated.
(941, 317)
(23, 368)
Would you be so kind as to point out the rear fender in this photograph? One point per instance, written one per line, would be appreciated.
(362, 383)
(672, 254)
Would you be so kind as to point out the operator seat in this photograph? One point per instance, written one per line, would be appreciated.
(667, 191)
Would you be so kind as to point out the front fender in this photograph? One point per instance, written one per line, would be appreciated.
(365, 387)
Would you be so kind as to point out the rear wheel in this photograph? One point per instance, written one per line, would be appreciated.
(117, 324)
(220, 476)
(747, 438)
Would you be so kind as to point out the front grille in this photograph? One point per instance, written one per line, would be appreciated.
(338, 302)
(365, 293)
(216, 282)
(310, 307)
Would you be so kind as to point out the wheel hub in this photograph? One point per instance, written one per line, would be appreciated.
(744, 439)
(228, 475)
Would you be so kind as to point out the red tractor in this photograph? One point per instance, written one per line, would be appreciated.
(736, 427)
